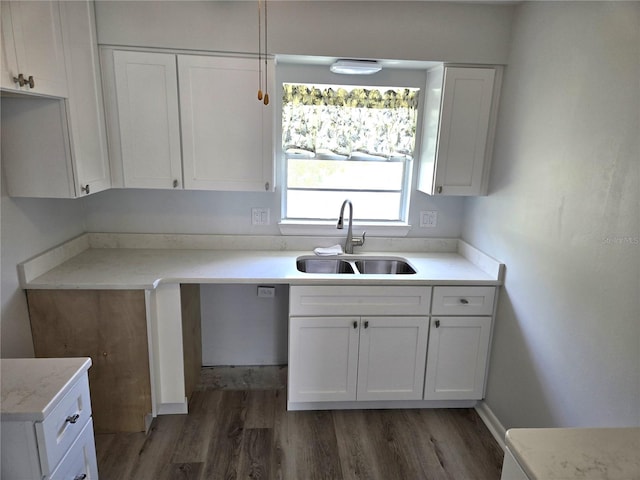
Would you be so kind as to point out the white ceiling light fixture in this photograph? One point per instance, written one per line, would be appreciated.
(355, 67)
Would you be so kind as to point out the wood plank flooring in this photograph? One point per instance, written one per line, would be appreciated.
(248, 434)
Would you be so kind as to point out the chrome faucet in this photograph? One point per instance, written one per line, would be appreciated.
(350, 241)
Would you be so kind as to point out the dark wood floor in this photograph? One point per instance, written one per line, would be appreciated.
(248, 434)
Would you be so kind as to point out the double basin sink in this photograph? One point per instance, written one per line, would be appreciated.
(355, 265)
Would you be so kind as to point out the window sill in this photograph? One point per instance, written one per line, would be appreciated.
(316, 228)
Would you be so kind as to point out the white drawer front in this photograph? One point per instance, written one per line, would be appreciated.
(463, 300)
(63, 425)
(359, 300)
(80, 462)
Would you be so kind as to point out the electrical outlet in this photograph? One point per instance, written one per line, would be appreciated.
(266, 292)
(428, 219)
(260, 216)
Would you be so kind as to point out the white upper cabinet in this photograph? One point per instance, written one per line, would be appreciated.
(226, 131)
(458, 123)
(149, 127)
(32, 48)
(193, 117)
(57, 147)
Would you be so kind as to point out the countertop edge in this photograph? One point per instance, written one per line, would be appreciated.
(39, 416)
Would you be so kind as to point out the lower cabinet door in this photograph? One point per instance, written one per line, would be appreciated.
(323, 358)
(392, 358)
(457, 358)
(80, 461)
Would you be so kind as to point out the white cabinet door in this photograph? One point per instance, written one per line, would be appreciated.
(69, 158)
(226, 131)
(457, 129)
(85, 108)
(457, 358)
(392, 358)
(323, 358)
(147, 101)
(32, 46)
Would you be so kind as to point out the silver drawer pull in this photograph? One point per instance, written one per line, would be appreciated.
(80, 477)
(464, 301)
(73, 418)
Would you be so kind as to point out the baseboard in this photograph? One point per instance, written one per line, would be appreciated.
(491, 421)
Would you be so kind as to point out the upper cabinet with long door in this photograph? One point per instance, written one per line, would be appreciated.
(187, 121)
(458, 124)
(32, 48)
(147, 96)
(226, 131)
(57, 147)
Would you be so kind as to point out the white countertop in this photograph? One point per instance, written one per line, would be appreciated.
(88, 267)
(576, 453)
(31, 387)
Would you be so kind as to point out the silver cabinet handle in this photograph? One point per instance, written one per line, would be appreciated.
(20, 80)
(86, 189)
(73, 418)
(366, 324)
(464, 301)
(355, 324)
(80, 477)
(439, 189)
(175, 183)
(437, 323)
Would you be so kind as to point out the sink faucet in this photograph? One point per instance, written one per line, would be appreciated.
(350, 241)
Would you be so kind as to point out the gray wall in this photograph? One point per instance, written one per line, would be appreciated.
(563, 215)
(432, 31)
(29, 226)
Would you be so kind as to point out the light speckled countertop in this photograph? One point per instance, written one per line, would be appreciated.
(93, 262)
(31, 387)
(577, 453)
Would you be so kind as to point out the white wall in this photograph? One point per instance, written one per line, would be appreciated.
(563, 214)
(29, 227)
(437, 31)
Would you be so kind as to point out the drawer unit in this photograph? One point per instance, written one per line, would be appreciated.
(463, 300)
(63, 425)
(80, 461)
(359, 300)
(47, 427)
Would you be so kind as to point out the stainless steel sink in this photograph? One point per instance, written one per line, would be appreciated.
(384, 266)
(323, 265)
(355, 265)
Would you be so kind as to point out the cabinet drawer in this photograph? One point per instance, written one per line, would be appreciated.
(63, 425)
(359, 300)
(80, 461)
(463, 300)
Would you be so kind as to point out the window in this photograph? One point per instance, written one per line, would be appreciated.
(347, 141)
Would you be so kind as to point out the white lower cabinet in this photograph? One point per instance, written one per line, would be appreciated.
(388, 344)
(357, 343)
(47, 427)
(459, 339)
(356, 358)
(457, 358)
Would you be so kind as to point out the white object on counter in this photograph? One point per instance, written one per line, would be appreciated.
(333, 250)
(572, 453)
(47, 429)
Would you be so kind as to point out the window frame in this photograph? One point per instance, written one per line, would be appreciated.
(320, 74)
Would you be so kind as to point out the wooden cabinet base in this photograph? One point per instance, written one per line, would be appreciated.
(110, 327)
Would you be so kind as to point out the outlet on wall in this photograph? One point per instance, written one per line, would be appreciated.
(260, 216)
(428, 219)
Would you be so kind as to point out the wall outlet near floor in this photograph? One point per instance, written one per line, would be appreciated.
(260, 216)
(266, 292)
(428, 219)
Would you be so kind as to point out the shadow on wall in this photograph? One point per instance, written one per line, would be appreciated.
(513, 376)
